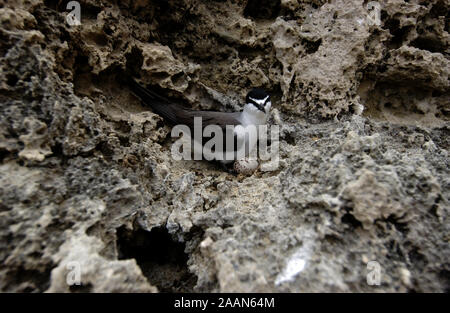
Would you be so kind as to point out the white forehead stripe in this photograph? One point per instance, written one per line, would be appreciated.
(260, 101)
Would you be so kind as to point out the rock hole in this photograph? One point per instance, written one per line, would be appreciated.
(398, 34)
(11, 79)
(429, 44)
(349, 219)
(311, 46)
(262, 9)
(134, 60)
(99, 39)
(82, 76)
(90, 11)
(439, 9)
(161, 258)
(81, 288)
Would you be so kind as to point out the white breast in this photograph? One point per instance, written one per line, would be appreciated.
(252, 116)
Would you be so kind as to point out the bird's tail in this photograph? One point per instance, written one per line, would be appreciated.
(159, 104)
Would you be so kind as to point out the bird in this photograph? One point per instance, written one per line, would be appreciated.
(255, 113)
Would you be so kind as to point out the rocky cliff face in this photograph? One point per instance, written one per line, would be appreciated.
(87, 179)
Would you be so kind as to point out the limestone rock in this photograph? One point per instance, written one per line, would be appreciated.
(88, 182)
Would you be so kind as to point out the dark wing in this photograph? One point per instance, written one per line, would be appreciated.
(159, 104)
(176, 114)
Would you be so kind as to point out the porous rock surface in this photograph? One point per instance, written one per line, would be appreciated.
(87, 178)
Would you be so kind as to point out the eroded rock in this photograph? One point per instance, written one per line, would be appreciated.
(85, 166)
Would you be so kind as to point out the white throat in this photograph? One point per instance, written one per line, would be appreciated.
(252, 116)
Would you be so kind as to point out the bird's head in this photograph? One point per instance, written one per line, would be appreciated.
(258, 101)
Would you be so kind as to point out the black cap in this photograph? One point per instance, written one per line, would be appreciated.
(257, 94)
